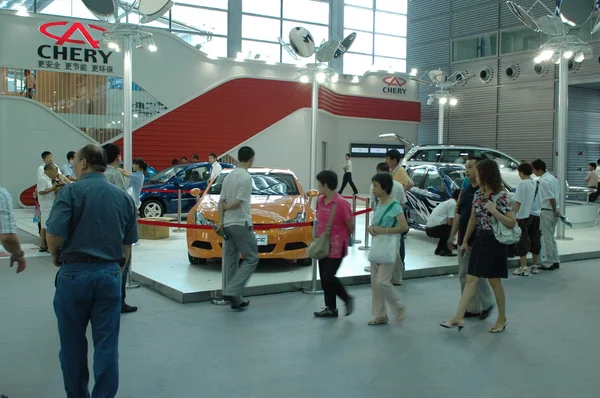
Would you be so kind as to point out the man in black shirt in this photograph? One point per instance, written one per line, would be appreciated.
(484, 300)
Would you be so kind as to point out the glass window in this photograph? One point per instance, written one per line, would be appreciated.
(391, 24)
(306, 10)
(262, 7)
(357, 64)
(417, 176)
(134, 18)
(217, 46)
(67, 8)
(360, 3)
(222, 4)
(390, 46)
(393, 64)
(456, 176)
(260, 28)
(319, 33)
(363, 42)
(400, 6)
(426, 155)
(358, 18)
(270, 51)
(198, 18)
(474, 47)
(503, 161)
(434, 183)
(457, 156)
(522, 40)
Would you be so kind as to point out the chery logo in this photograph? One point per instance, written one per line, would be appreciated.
(70, 33)
(394, 85)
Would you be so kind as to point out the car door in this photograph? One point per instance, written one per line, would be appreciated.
(194, 177)
(415, 197)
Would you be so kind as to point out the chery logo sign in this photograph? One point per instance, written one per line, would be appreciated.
(76, 34)
(394, 85)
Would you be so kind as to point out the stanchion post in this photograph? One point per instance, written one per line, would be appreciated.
(129, 284)
(179, 229)
(221, 300)
(313, 287)
(353, 237)
(366, 246)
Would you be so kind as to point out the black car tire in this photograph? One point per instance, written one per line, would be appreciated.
(151, 202)
(304, 261)
(196, 260)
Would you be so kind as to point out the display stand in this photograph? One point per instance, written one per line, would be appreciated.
(221, 300)
(313, 287)
(366, 246)
(179, 229)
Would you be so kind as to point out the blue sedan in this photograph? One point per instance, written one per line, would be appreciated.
(159, 195)
(150, 172)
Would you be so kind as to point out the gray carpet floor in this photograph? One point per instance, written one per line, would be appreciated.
(277, 349)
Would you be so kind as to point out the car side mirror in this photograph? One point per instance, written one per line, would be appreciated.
(313, 193)
(206, 175)
(196, 192)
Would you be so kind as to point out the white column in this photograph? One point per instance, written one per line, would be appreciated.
(562, 110)
(127, 111)
(441, 123)
(313, 134)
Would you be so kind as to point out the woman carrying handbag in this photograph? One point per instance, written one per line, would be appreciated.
(494, 225)
(334, 226)
(388, 225)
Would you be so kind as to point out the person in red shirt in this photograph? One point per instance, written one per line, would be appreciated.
(341, 227)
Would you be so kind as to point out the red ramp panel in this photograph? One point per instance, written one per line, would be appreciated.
(27, 196)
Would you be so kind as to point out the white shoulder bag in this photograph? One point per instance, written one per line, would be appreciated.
(503, 234)
(385, 248)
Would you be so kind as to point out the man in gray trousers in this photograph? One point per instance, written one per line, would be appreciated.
(484, 300)
(235, 220)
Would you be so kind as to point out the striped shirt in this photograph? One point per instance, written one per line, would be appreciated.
(8, 224)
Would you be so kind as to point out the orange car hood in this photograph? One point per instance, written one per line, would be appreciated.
(265, 209)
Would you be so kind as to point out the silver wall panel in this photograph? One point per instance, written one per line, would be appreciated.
(584, 100)
(473, 67)
(525, 98)
(578, 156)
(436, 29)
(428, 132)
(516, 129)
(423, 9)
(478, 19)
(525, 68)
(481, 100)
(478, 130)
(428, 56)
(530, 151)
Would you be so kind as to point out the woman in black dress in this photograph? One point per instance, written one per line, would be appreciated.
(489, 258)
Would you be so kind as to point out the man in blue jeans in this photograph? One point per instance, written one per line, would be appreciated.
(90, 232)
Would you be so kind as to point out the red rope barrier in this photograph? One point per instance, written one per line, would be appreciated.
(357, 198)
(165, 190)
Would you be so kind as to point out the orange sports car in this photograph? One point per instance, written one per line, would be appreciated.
(277, 198)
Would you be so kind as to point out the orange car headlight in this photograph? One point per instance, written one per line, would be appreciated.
(300, 218)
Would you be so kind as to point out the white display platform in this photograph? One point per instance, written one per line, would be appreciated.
(162, 265)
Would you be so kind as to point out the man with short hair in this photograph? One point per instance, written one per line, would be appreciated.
(46, 190)
(347, 179)
(8, 231)
(484, 299)
(528, 205)
(195, 158)
(90, 233)
(68, 170)
(439, 224)
(393, 158)
(549, 190)
(215, 166)
(48, 158)
(235, 221)
(184, 160)
(114, 176)
(592, 181)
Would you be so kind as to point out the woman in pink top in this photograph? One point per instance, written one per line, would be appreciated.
(341, 227)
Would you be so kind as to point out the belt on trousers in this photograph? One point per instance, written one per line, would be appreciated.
(89, 260)
(547, 209)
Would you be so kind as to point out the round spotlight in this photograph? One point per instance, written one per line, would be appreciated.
(430, 101)
(320, 77)
(579, 57)
(453, 101)
(413, 72)
(355, 79)
(556, 59)
(335, 78)
(152, 48)
(443, 100)
(240, 57)
(546, 55)
(568, 54)
(538, 60)
(304, 79)
(112, 45)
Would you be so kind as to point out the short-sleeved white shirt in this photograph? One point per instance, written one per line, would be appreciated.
(40, 171)
(44, 183)
(442, 213)
(348, 166)
(216, 169)
(524, 194)
(549, 190)
(238, 186)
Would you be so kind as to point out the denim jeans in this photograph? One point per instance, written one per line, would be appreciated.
(89, 293)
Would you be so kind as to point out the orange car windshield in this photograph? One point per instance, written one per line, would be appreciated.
(271, 184)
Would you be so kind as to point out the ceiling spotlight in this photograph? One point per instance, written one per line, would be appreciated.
(453, 101)
(304, 79)
(152, 47)
(113, 45)
(568, 54)
(135, 115)
(579, 57)
(538, 59)
(413, 72)
(335, 78)
(546, 55)
(443, 100)
(556, 59)
(430, 101)
(239, 57)
(320, 77)
(355, 79)
(22, 11)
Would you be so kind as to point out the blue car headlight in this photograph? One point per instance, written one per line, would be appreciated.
(201, 220)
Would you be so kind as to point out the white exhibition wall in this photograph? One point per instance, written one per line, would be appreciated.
(272, 145)
(42, 130)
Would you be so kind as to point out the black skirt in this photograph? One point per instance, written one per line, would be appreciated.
(489, 258)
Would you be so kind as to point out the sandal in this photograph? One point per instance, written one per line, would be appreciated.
(401, 315)
(378, 321)
(535, 269)
(42, 250)
(521, 271)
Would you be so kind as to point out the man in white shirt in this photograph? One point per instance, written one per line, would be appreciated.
(592, 178)
(235, 221)
(527, 208)
(550, 213)
(46, 190)
(348, 176)
(47, 159)
(215, 166)
(439, 224)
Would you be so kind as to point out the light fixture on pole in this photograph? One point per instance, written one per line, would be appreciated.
(560, 49)
(438, 78)
(302, 46)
